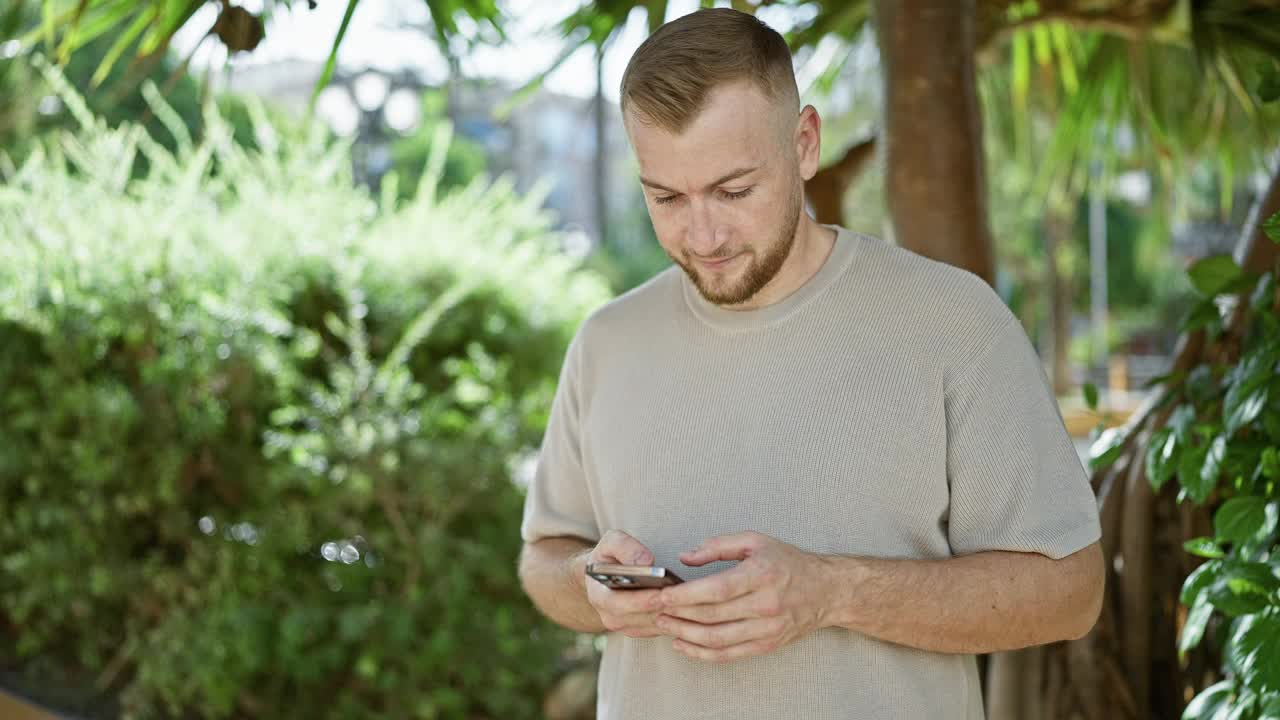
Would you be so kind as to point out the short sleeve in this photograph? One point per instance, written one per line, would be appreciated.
(1016, 480)
(558, 502)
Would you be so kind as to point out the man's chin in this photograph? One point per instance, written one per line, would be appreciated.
(723, 291)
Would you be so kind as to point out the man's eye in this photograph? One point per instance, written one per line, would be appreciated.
(735, 195)
(663, 200)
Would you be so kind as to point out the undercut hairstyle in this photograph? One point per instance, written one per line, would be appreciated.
(669, 77)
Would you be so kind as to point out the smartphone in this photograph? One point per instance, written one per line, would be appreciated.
(629, 577)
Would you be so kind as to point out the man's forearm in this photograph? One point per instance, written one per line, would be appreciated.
(552, 572)
(980, 603)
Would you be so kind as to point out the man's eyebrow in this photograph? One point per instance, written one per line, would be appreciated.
(719, 181)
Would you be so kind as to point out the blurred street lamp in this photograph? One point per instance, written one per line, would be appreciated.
(403, 110)
(370, 107)
(370, 89)
(337, 110)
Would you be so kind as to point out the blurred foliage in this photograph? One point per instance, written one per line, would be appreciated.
(464, 161)
(258, 429)
(34, 110)
(23, 118)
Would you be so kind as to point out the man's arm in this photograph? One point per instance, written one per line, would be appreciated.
(777, 593)
(979, 603)
(553, 574)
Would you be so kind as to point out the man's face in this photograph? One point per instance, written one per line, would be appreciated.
(725, 195)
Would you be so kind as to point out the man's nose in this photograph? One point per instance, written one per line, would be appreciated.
(704, 236)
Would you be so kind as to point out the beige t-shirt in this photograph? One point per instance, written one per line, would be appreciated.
(891, 407)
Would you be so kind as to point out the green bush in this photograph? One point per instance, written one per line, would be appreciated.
(258, 430)
(1221, 447)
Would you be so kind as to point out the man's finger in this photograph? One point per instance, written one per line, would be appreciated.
(639, 624)
(719, 635)
(632, 601)
(721, 587)
(742, 607)
(722, 655)
(619, 547)
(737, 546)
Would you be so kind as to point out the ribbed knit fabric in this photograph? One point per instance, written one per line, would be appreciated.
(890, 407)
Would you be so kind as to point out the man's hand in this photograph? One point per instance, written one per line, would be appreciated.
(630, 612)
(775, 595)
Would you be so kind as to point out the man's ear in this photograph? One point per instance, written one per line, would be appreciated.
(808, 141)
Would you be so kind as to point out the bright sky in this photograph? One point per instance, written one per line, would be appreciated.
(373, 41)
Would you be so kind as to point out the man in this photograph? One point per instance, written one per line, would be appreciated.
(850, 452)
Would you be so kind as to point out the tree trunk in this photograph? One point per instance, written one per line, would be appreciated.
(825, 190)
(936, 181)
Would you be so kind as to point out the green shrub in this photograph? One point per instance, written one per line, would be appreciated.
(258, 430)
(1221, 446)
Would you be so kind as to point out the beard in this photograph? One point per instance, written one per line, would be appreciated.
(763, 263)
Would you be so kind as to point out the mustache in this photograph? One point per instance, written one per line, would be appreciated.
(716, 256)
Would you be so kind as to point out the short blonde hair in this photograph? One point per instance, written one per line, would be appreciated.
(672, 72)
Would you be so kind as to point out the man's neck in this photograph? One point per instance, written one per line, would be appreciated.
(812, 245)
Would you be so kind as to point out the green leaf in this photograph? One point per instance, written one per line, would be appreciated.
(1161, 458)
(122, 42)
(1091, 395)
(1193, 630)
(1211, 470)
(48, 23)
(1245, 518)
(1171, 378)
(1204, 313)
(1256, 645)
(1106, 448)
(1212, 274)
(1199, 579)
(1208, 702)
(1204, 547)
(1268, 83)
(1182, 420)
(1242, 588)
(1252, 372)
(1272, 227)
(1263, 293)
(1200, 383)
(1270, 708)
(1191, 474)
(1270, 464)
(1244, 411)
(332, 61)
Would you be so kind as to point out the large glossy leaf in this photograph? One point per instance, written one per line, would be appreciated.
(1199, 579)
(1242, 588)
(1245, 410)
(1193, 630)
(1256, 647)
(1203, 547)
(1213, 274)
(1191, 473)
(1205, 705)
(1211, 469)
(1106, 448)
(1245, 518)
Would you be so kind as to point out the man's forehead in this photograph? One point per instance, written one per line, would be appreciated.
(719, 141)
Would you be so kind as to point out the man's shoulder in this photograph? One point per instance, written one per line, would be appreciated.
(635, 312)
(949, 305)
